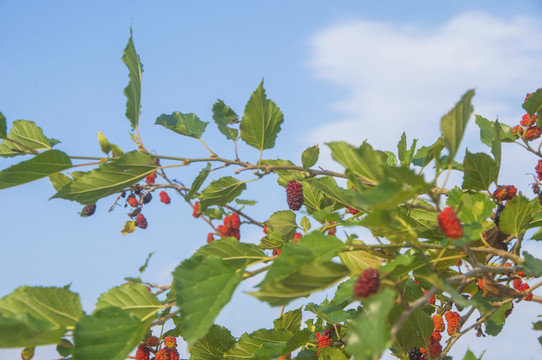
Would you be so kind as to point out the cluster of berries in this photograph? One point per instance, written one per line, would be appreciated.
(520, 286)
(450, 224)
(504, 193)
(367, 284)
(230, 226)
(167, 352)
(323, 340)
(294, 195)
(527, 128)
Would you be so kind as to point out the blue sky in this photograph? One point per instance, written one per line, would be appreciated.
(347, 70)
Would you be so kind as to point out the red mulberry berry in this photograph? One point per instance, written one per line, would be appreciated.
(434, 349)
(524, 287)
(150, 178)
(276, 252)
(539, 169)
(294, 195)
(516, 283)
(453, 320)
(227, 222)
(142, 352)
(132, 201)
(450, 224)
(526, 97)
(210, 237)
(438, 323)
(141, 222)
(505, 193)
(235, 221)
(164, 197)
(170, 342)
(533, 133)
(437, 335)
(222, 230)
(352, 210)
(367, 283)
(332, 230)
(323, 340)
(431, 299)
(89, 210)
(152, 341)
(297, 236)
(265, 229)
(527, 120)
(196, 213)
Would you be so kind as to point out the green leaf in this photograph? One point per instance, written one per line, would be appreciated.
(25, 330)
(117, 151)
(32, 316)
(359, 260)
(261, 121)
(104, 143)
(59, 180)
(403, 264)
(282, 225)
(305, 223)
(480, 171)
(299, 339)
(426, 154)
(110, 333)
(363, 161)
(3, 126)
(345, 292)
(223, 116)
(198, 181)
(309, 277)
(249, 344)
(290, 320)
(221, 192)
(469, 355)
(184, 124)
(133, 90)
(41, 165)
(129, 227)
(516, 216)
(27, 137)
(331, 353)
(415, 331)
(213, 346)
(534, 102)
(310, 156)
(495, 323)
(369, 335)
(203, 286)
(532, 265)
(454, 123)
(328, 312)
(234, 253)
(134, 298)
(109, 178)
(473, 208)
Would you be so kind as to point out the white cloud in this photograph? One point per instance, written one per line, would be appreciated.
(405, 77)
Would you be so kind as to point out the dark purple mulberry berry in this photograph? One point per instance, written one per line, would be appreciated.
(89, 210)
(147, 198)
(141, 222)
(414, 354)
(367, 283)
(294, 195)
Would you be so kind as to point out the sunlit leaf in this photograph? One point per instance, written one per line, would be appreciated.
(184, 124)
(261, 121)
(27, 137)
(41, 165)
(133, 90)
(223, 116)
(454, 123)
